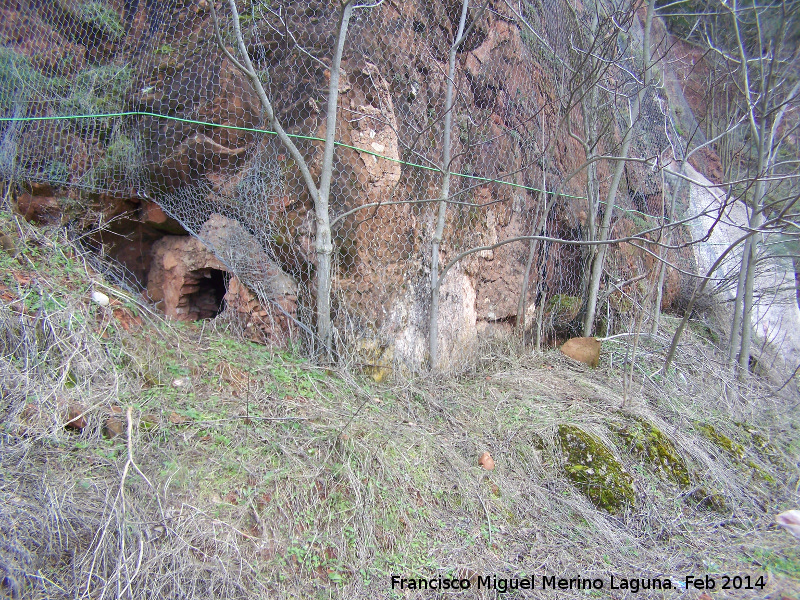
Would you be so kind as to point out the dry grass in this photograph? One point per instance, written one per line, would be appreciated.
(248, 473)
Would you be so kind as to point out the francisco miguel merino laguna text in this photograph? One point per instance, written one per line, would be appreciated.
(529, 582)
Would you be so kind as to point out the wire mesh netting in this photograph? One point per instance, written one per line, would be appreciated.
(136, 100)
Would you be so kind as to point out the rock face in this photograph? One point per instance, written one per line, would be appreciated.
(188, 282)
(391, 90)
(391, 108)
(38, 204)
(776, 319)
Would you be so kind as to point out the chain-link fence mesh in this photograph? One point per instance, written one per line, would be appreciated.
(135, 100)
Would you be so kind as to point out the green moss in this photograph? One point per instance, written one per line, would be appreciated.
(640, 222)
(760, 472)
(762, 446)
(20, 82)
(97, 90)
(709, 499)
(704, 331)
(649, 443)
(785, 561)
(727, 444)
(564, 306)
(737, 451)
(594, 470)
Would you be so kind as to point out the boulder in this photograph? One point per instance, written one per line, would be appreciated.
(583, 349)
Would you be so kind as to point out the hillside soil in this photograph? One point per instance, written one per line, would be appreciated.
(145, 458)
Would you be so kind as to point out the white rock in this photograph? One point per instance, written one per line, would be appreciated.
(100, 298)
(790, 521)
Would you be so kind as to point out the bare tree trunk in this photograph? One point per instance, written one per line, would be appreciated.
(605, 226)
(320, 195)
(433, 341)
(523, 292)
(324, 244)
(659, 291)
(736, 327)
(697, 291)
(662, 275)
(747, 304)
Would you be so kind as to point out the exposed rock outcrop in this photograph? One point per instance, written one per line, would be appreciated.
(188, 282)
(391, 107)
(776, 314)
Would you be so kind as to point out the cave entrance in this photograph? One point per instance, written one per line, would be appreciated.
(203, 293)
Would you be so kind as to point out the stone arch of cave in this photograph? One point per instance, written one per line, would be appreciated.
(203, 293)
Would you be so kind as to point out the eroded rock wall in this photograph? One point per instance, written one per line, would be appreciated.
(390, 129)
(776, 314)
(188, 281)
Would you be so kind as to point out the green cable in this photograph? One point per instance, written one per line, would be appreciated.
(292, 135)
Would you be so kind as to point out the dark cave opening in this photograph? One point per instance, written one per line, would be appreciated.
(203, 293)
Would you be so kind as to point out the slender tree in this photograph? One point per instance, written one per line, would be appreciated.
(758, 43)
(611, 197)
(318, 189)
(444, 197)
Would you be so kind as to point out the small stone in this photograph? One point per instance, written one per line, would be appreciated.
(583, 349)
(486, 461)
(113, 427)
(76, 419)
(100, 298)
(177, 419)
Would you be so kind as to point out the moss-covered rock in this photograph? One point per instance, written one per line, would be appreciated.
(594, 470)
(737, 451)
(709, 499)
(761, 445)
(732, 448)
(649, 443)
(564, 307)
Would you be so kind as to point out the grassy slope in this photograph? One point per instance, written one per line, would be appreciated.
(251, 473)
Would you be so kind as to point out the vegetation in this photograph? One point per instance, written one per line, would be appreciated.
(250, 471)
(97, 90)
(594, 470)
(144, 458)
(102, 16)
(18, 80)
(648, 442)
